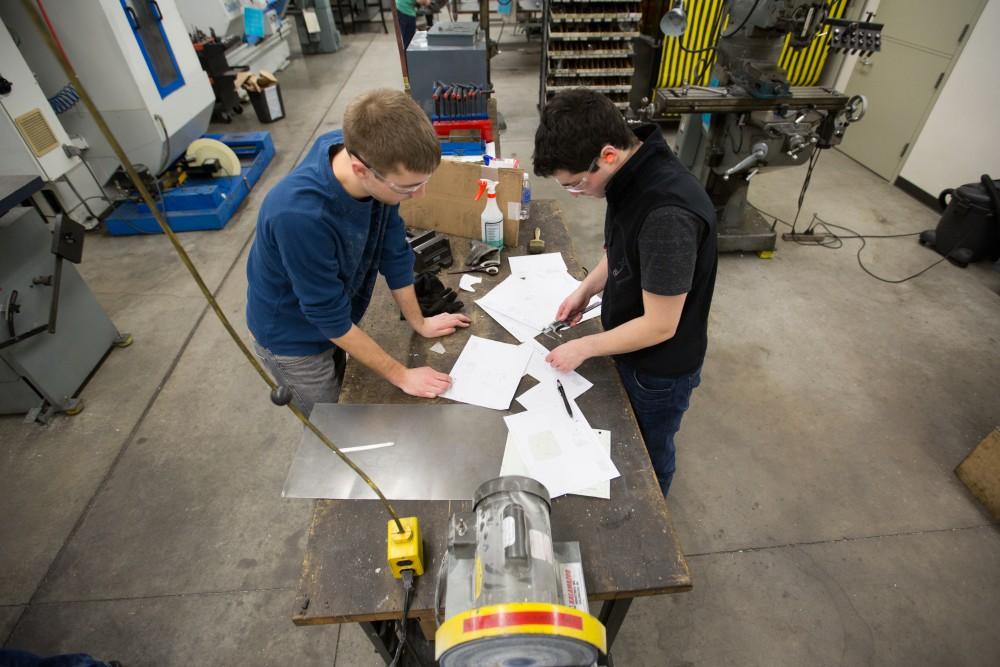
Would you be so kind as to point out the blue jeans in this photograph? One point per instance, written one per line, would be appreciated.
(14, 658)
(313, 379)
(407, 27)
(659, 404)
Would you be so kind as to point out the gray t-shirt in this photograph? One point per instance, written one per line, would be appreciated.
(668, 250)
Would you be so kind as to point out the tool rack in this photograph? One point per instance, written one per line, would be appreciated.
(588, 43)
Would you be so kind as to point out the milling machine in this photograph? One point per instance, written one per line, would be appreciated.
(753, 118)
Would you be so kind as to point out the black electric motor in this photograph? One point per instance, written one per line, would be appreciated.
(969, 229)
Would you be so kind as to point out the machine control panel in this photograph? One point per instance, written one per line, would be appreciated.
(855, 37)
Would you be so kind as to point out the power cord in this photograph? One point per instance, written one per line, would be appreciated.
(746, 19)
(836, 242)
(408, 587)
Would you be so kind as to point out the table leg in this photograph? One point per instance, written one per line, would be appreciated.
(612, 616)
(382, 635)
(377, 635)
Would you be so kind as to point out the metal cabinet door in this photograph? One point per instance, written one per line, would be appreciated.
(937, 26)
(919, 42)
(899, 83)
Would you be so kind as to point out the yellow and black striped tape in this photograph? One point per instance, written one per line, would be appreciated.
(677, 67)
(803, 66)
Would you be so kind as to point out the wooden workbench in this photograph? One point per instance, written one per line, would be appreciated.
(628, 543)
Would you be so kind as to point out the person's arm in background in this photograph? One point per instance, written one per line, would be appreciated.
(314, 272)
(668, 252)
(396, 264)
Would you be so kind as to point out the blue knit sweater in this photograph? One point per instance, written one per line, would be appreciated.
(315, 257)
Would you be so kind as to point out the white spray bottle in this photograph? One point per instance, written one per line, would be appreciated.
(491, 220)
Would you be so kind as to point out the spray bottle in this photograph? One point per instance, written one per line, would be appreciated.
(491, 220)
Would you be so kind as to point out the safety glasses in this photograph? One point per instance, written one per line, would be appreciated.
(398, 189)
(581, 185)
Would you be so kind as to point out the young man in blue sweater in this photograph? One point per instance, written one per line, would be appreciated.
(324, 233)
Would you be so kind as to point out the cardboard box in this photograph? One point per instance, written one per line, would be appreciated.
(450, 207)
(981, 472)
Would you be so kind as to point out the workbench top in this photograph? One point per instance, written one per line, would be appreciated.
(628, 543)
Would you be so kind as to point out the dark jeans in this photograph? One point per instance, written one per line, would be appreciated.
(659, 404)
(14, 658)
(408, 27)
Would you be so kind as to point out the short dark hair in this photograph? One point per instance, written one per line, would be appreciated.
(575, 126)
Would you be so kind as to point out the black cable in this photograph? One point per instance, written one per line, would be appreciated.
(716, 25)
(715, 32)
(837, 241)
(813, 159)
(827, 225)
(401, 630)
(746, 19)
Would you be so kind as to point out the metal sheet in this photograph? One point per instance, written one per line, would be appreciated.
(441, 452)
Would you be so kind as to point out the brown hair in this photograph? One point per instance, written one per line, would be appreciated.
(388, 129)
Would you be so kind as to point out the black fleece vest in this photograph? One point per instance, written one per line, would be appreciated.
(654, 178)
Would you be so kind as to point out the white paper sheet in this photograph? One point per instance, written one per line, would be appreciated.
(468, 281)
(574, 383)
(544, 263)
(562, 454)
(533, 298)
(520, 331)
(513, 465)
(487, 373)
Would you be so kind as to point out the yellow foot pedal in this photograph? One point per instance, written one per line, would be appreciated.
(406, 549)
(766, 254)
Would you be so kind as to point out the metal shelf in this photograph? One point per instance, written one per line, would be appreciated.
(631, 17)
(601, 89)
(621, 71)
(580, 55)
(569, 28)
(603, 36)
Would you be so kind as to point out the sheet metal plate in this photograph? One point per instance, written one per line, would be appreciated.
(441, 452)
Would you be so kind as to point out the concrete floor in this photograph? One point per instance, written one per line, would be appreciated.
(815, 496)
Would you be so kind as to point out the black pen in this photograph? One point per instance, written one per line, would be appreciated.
(562, 392)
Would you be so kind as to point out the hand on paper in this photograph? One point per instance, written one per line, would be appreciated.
(423, 382)
(568, 356)
(571, 309)
(442, 325)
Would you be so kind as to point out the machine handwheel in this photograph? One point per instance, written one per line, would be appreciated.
(124, 340)
(856, 108)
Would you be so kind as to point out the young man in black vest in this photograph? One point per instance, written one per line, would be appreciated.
(658, 269)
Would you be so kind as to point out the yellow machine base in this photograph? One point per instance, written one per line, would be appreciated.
(530, 620)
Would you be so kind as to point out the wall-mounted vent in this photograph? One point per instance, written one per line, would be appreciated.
(36, 132)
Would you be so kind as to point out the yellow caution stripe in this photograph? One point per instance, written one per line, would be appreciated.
(519, 618)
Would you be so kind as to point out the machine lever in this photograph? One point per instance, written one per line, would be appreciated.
(758, 153)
